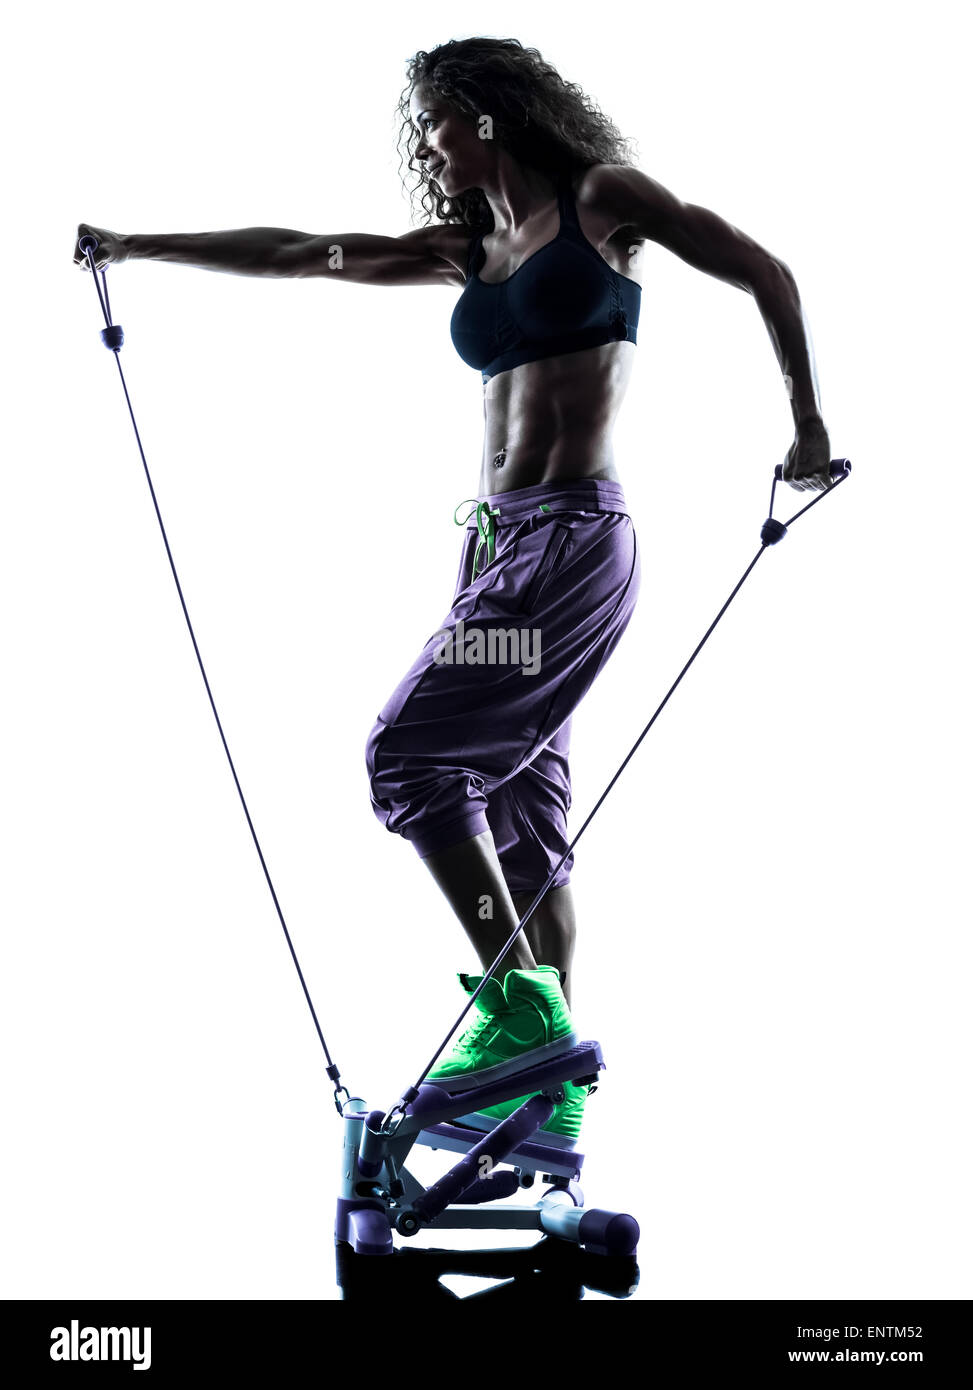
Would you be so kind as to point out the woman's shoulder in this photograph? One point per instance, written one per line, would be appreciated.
(604, 196)
(448, 241)
(457, 244)
(605, 187)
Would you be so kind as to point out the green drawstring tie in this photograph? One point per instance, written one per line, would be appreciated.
(485, 525)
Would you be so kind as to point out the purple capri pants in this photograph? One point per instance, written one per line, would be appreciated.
(476, 735)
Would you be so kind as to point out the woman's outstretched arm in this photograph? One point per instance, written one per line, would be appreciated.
(427, 256)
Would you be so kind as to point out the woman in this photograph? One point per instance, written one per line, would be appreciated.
(538, 217)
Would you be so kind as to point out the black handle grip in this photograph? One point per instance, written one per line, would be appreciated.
(839, 467)
(87, 243)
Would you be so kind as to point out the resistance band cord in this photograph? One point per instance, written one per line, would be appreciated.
(113, 338)
(772, 531)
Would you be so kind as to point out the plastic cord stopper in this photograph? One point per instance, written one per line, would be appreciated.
(772, 531)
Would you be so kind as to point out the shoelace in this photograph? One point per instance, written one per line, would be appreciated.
(469, 1035)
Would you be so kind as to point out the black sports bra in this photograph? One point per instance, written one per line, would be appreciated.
(563, 298)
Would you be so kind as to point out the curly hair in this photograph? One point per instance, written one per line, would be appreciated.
(542, 120)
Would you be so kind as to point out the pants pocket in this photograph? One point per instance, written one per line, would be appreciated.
(546, 566)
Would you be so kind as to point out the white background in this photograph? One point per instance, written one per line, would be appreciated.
(774, 934)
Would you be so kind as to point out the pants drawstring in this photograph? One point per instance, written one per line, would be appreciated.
(486, 527)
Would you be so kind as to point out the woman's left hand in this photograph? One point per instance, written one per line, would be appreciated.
(807, 466)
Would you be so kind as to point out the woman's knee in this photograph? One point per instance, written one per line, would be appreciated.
(377, 765)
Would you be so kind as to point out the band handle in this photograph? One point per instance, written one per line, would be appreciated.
(839, 467)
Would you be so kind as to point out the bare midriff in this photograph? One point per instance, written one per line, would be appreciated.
(552, 420)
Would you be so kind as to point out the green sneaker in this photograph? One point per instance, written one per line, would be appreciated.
(524, 1022)
(491, 1000)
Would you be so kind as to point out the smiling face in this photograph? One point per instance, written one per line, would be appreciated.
(449, 149)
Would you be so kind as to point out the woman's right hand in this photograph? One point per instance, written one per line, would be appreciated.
(110, 249)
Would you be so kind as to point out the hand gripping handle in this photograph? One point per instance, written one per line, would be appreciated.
(772, 530)
(113, 337)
